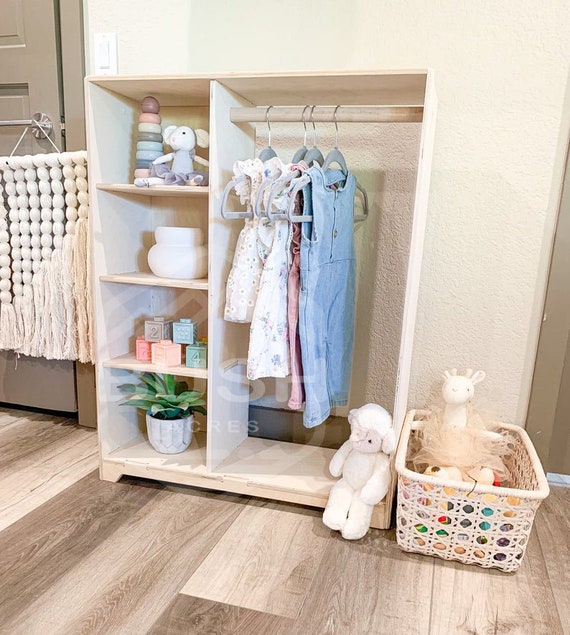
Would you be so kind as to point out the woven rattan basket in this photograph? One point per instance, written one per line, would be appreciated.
(488, 526)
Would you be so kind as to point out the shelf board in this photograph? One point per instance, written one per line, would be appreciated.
(276, 470)
(178, 191)
(361, 88)
(130, 362)
(150, 280)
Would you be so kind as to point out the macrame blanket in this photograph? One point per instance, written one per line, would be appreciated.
(45, 294)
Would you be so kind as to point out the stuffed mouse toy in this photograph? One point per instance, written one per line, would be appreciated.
(183, 141)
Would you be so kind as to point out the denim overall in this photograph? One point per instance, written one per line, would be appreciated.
(326, 299)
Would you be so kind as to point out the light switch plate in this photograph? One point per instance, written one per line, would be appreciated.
(105, 53)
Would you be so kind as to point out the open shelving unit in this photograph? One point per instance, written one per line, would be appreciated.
(223, 456)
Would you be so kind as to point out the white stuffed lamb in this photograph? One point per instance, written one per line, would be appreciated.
(364, 464)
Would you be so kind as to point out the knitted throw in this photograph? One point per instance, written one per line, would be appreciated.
(45, 295)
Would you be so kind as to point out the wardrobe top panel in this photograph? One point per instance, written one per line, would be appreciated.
(404, 88)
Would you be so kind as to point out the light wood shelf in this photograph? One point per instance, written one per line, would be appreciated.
(175, 191)
(130, 362)
(150, 280)
(290, 472)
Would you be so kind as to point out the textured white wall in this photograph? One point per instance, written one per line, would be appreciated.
(501, 73)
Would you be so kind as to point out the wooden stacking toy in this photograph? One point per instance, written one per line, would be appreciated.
(149, 137)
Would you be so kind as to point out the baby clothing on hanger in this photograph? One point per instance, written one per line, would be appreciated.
(326, 301)
(295, 283)
(242, 286)
(302, 205)
(269, 336)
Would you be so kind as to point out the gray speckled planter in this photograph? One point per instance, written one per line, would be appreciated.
(169, 436)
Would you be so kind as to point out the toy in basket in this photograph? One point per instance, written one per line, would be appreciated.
(458, 440)
(453, 511)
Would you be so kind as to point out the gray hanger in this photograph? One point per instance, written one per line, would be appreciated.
(228, 214)
(302, 151)
(335, 155)
(267, 152)
(314, 154)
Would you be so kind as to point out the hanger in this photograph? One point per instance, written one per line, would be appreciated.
(335, 155)
(258, 207)
(268, 152)
(302, 151)
(314, 154)
(281, 184)
(227, 214)
(300, 183)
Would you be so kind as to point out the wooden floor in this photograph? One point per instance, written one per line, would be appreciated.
(78, 555)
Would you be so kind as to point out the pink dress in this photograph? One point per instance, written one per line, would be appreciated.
(293, 285)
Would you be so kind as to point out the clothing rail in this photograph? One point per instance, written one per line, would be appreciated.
(354, 114)
(40, 124)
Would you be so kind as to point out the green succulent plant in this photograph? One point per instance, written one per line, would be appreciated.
(163, 397)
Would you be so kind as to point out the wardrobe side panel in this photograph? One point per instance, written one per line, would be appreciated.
(416, 251)
(117, 224)
(228, 387)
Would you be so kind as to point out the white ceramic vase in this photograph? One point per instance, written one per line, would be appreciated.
(178, 253)
(169, 436)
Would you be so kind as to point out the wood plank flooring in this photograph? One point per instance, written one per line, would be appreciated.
(40, 456)
(136, 557)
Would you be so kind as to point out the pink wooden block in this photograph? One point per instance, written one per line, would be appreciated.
(166, 353)
(143, 349)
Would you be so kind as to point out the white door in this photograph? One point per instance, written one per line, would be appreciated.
(29, 83)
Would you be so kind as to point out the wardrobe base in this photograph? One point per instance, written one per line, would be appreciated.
(288, 472)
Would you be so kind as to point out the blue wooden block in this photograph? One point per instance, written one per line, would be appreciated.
(185, 331)
(196, 355)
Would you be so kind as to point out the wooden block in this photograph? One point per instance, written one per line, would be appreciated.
(166, 353)
(143, 349)
(157, 329)
(196, 355)
(185, 331)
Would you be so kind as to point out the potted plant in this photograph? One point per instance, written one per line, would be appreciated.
(169, 408)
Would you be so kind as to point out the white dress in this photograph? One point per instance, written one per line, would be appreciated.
(243, 282)
(242, 286)
(269, 334)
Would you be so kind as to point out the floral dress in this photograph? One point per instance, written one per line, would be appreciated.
(242, 286)
(269, 334)
(243, 282)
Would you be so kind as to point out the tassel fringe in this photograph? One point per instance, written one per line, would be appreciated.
(52, 316)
